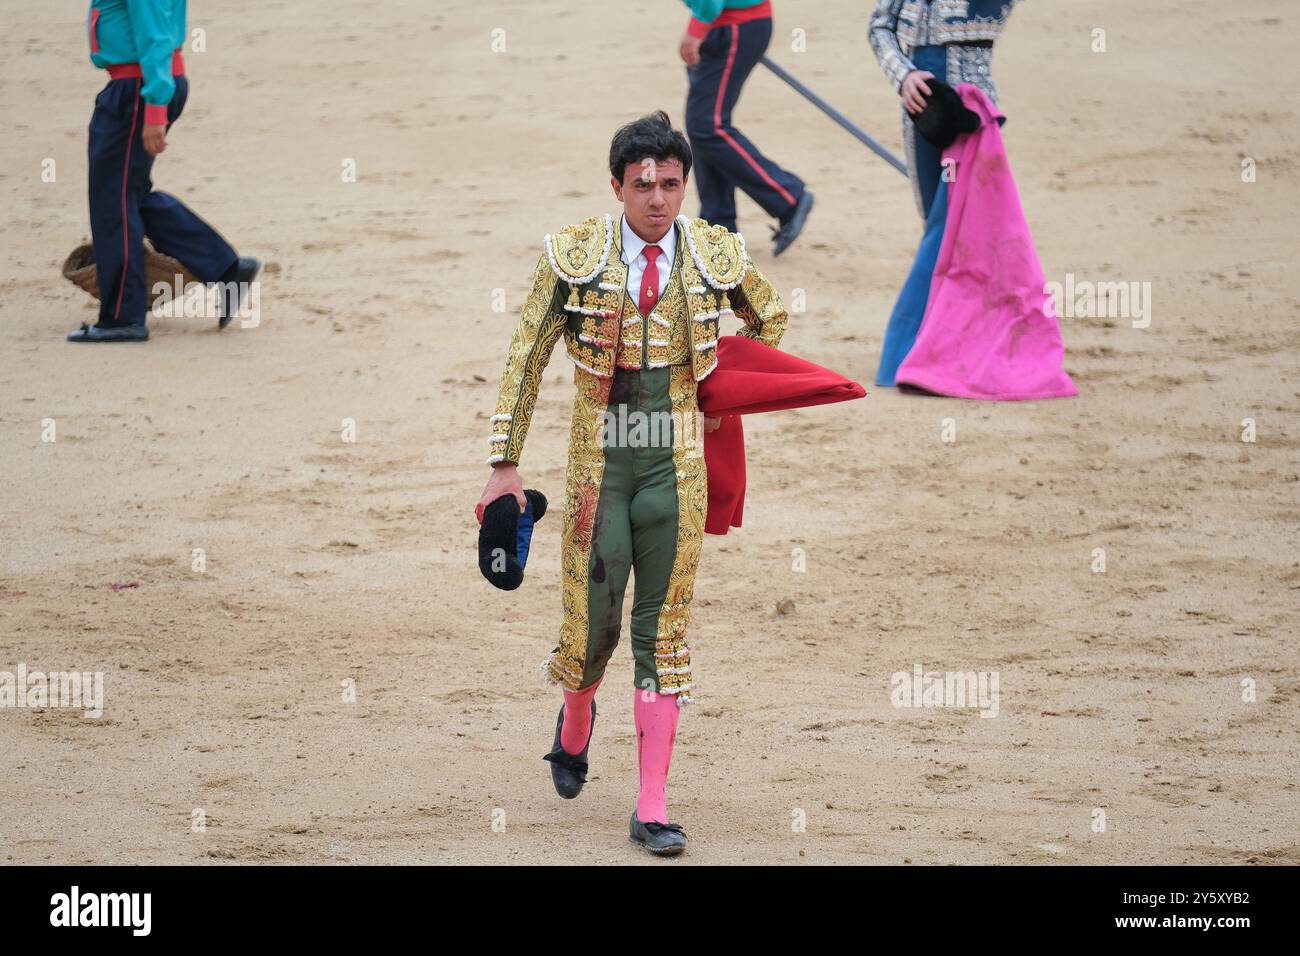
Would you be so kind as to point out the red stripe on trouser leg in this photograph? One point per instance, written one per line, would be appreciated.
(656, 730)
(577, 718)
(721, 131)
(126, 226)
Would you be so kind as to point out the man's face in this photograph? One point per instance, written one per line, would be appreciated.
(651, 193)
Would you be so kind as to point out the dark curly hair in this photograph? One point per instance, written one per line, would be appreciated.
(652, 135)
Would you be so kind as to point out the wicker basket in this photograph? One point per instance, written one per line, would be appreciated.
(79, 269)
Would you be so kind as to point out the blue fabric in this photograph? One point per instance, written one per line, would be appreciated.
(909, 310)
(524, 534)
(932, 59)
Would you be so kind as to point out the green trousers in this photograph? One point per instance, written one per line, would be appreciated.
(635, 526)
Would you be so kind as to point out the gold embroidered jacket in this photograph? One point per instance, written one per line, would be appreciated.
(580, 291)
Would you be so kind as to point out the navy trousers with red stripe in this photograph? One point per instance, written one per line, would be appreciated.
(124, 208)
(724, 158)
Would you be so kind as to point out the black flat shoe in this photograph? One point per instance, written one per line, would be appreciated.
(111, 333)
(661, 839)
(569, 771)
(791, 228)
(228, 303)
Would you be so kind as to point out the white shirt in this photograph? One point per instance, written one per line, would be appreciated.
(634, 258)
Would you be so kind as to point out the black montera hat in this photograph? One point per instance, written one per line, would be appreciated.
(945, 116)
(504, 537)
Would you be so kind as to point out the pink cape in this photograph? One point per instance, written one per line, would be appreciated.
(989, 330)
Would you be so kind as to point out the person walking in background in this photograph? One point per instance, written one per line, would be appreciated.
(722, 44)
(139, 43)
(972, 319)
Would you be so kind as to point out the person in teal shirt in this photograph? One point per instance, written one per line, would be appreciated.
(139, 43)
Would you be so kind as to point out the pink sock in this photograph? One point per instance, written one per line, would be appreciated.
(577, 718)
(656, 729)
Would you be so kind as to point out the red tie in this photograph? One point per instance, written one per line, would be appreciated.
(650, 280)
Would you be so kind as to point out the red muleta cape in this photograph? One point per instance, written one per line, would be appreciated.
(752, 377)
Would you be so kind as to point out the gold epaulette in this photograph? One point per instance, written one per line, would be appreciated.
(719, 254)
(578, 252)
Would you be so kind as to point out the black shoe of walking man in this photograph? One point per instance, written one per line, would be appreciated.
(569, 771)
(793, 224)
(661, 839)
(109, 333)
(234, 283)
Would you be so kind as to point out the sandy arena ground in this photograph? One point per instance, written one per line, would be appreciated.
(330, 561)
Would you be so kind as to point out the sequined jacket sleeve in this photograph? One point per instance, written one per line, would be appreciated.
(883, 33)
(759, 308)
(541, 323)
